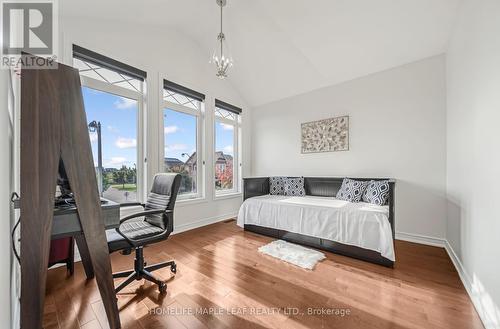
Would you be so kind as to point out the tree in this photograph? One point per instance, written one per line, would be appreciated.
(224, 177)
(186, 182)
(131, 174)
(107, 180)
(120, 176)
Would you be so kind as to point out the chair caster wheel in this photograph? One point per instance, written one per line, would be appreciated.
(173, 268)
(162, 287)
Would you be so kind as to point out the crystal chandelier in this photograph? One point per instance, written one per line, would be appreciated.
(221, 58)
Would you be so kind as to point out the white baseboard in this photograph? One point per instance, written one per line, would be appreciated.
(421, 239)
(203, 222)
(485, 307)
(488, 315)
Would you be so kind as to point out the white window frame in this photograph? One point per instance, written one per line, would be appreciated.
(200, 159)
(139, 97)
(237, 164)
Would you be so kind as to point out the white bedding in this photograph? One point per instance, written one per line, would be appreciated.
(360, 224)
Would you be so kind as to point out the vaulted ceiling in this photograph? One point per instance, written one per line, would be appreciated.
(283, 48)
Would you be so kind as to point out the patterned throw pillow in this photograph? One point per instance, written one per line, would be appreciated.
(351, 190)
(377, 192)
(295, 186)
(277, 185)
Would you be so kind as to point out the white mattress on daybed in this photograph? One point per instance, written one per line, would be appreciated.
(360, 224)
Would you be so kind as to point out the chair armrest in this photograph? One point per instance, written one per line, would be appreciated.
(131, 204)
(143, 213)
(136, 242)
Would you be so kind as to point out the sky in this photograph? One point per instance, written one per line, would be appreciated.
(180, 135)
(224, 137)
(118, 117)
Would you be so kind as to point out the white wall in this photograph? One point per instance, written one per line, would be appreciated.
(169, 54)
(473, 156)
(397, 130)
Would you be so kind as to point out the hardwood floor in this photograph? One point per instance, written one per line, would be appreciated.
(223, 282)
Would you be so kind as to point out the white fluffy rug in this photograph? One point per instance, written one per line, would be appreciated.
(292, 253)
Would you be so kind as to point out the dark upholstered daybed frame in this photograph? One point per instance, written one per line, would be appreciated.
(325, 187)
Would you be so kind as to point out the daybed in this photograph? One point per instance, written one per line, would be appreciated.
(360, 230)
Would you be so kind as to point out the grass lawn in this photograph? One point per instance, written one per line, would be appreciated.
(128, 187)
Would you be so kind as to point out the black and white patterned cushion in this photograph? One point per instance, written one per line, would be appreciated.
(377, 192)
(295, 186)
(351, 190)
(277, 185)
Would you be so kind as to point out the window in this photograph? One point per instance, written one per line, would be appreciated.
(182, 137)
(112, 95)
(227, 163)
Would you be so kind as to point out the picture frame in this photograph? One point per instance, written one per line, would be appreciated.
(326, 135)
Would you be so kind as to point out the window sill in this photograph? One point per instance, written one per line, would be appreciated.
(188, 202)
(229, 195)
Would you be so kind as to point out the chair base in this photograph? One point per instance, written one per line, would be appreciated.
(141, 271)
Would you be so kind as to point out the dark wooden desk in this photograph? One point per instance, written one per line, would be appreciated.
(66, 223)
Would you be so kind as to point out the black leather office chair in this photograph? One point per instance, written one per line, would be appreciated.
(153, 224)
